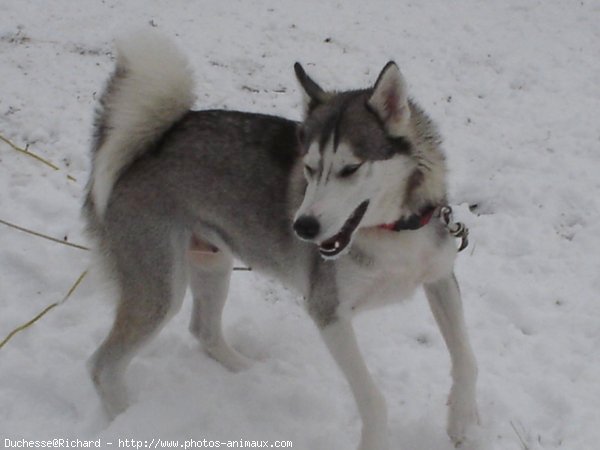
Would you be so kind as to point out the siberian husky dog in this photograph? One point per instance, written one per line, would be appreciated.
(342, 207)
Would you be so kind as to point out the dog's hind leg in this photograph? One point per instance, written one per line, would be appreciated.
(210, 271)
(151, 290)
(446, 305)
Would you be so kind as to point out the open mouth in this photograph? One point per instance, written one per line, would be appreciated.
(336, 244)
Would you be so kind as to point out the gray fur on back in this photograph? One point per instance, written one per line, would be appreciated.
(214, 173)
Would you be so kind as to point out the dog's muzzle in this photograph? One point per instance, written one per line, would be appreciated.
(336, 244)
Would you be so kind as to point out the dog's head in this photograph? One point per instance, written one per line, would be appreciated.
(358, 154)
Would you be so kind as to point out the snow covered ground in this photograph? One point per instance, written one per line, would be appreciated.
(514, 87)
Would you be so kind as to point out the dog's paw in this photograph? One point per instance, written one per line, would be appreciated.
(374, 440)
(463, 421)
(472, 439)
(229, 358)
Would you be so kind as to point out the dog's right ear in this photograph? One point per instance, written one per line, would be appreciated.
(314, 94)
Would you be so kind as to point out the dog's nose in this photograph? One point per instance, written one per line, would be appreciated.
(307, 227)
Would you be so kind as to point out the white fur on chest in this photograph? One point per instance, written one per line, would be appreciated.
(386, 267)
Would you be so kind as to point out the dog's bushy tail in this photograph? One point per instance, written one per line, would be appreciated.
(152, 87)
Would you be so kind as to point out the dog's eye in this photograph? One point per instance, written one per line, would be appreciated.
(309, 171)
(349, 170)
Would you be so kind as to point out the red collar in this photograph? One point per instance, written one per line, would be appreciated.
(413, 222)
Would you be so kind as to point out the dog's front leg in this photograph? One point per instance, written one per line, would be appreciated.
(341, 341)
(446, 305)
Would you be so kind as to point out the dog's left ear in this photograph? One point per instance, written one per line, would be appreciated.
(316, 95)
(390, 100)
